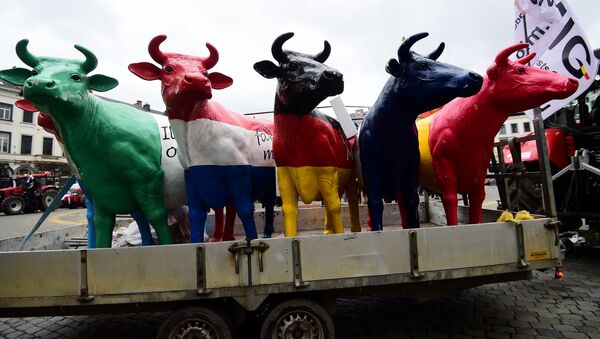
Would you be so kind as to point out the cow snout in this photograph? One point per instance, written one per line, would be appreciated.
(475, 77)
(330, 75)
(47, 83)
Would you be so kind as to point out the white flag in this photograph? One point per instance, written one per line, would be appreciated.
(550, 28)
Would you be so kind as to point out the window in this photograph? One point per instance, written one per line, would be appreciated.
(527, 127)
(4, 142)
(26, 144)
(503, 129)
(5, 111)
(514, 128)
(47, 149)
(27, 116)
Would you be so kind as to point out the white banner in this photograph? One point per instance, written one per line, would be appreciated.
(550, 28)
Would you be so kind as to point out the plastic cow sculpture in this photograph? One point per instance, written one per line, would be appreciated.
(46, 123)
(456, 143)
(389, 149)
(314, 160)
(115, 147)
(227, 156)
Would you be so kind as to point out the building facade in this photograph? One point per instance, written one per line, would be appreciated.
(24, 146)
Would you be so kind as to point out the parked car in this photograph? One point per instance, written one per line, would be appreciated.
(74, 198)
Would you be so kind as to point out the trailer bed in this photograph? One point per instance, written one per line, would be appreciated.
(419, 261)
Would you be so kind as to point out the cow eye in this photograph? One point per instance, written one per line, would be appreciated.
(293, 66)
(423, 65)
(521, 69)
(205, 73)
(76, 77)
(169, 69)
(34, 72)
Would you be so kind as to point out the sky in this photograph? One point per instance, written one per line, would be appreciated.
(363, 35)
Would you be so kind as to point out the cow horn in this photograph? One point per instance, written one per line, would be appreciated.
(526, 59)
(154, 49)
(502, 57)
(276, 48)
(436, 54)
(90, 62)
(321, 57)
(404, 50)
(25, 56)
(211, 60)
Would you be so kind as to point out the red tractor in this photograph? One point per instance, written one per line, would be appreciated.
(29, 193)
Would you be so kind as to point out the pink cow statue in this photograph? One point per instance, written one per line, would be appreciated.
(456, 142)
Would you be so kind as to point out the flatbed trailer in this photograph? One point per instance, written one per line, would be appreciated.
(292, 282)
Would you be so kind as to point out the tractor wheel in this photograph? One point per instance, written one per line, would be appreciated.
(47, 197)
(196, 322)
(297, 318)
(13, 205)
(529, 196)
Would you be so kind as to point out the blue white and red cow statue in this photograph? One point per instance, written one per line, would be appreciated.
(227, 156)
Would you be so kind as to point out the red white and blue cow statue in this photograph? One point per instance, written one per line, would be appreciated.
(456, 142)
(314, 159)
(227, 156)
(389, 149)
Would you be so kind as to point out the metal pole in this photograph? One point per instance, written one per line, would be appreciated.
(542, 149)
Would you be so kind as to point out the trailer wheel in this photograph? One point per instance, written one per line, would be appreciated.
(196, 322)
(297, 318)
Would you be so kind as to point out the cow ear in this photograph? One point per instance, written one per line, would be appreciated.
(101, 83)
(145, 70)
(15, 76)
(492, 72)
(267, 69)
(219, 80)
(393, 67)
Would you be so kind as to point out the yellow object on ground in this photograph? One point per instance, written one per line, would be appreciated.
(506, 216)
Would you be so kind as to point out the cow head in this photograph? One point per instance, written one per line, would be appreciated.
(185, 79)
(303, 81)
(422, 83)
(515, 87)
(54, 82)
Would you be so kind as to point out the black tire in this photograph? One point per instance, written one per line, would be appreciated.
(297, 318)
(529, 195)
(196, 322)
(13, 204)
(47, 197)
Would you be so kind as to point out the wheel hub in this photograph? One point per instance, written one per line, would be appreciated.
(196, 330)
(299, 325)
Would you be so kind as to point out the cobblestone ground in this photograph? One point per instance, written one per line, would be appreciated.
(540, 308)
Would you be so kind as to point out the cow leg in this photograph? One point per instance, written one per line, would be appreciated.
(289, 201)
(157, 216)
(328, 221)
(105, 223)
(476, 197)
(240, 189)
(197, 214)
(373, 188)
(411, 203)
(402, 209)
(328, 186)
(144, 228)
(219, 220)
(229, 223)
(353, 196)
(89, 215)
(450, 199)
(269, 205)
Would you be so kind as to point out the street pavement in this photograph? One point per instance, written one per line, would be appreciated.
(539, 308)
